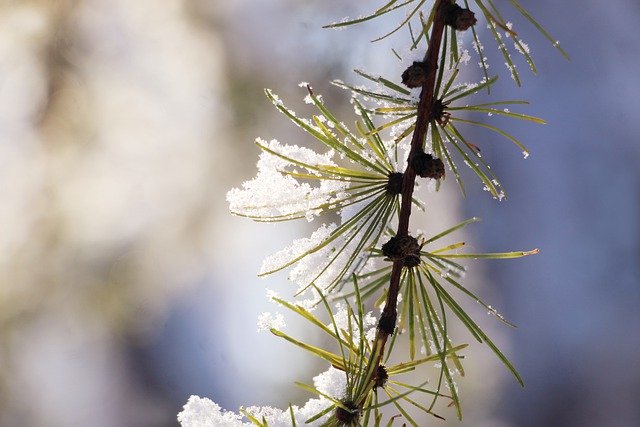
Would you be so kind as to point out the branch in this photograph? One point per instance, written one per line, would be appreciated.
(387, 323)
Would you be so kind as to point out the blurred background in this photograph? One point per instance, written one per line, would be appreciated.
(126, 286)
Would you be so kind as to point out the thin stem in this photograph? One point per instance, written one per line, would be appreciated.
(389, 314)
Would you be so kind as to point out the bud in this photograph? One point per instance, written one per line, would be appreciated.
(387, 323)
(412, 260)
(394, 184)
(403, 248)
(415, 75)
(381, 376)
(427, 166)
(348, 417)
(437, 111)
(459, 18)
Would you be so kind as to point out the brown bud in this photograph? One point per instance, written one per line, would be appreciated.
(403, 248)
(381, 376)
(348, 417)
(427, 166)
(394, 185)
(412, 260)
(387, 323)
(415, 75)
(459, 18)
(437, 110)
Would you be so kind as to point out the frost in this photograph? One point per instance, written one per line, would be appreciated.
(465, 57)
(453, 271)
(493, 312)
(268, 321)
(275, 98)
(341, 318)
(522, 47)
(477, 46)
(271, 294)
(512, 70)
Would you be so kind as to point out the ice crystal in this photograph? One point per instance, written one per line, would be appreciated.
(465, 57)
(268, 321)
(341, 318)
(477, 46)
(509, 25)
(493, 312)
(522, 47)
(271, 294)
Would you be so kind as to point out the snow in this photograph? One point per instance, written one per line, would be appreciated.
(273, 193)
(203, 412)
(300, 246)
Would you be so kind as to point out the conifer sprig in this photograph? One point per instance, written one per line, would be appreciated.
(445, 139)
(425, 295)
(362, 185)
(361, 398)
(419, 24)
(363, 179)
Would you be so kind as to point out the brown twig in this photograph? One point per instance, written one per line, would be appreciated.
(389, 315)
